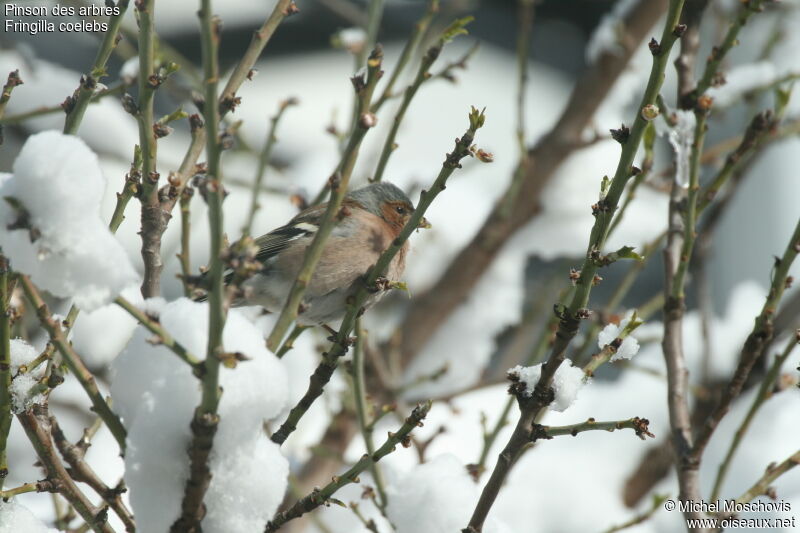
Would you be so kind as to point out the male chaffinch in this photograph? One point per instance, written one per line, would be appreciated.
(371, 218)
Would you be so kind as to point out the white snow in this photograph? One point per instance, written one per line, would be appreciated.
(567, 381)
(100, 335)
(435, 497)
(629, 346)
(156, 395)
(23, 353)
(16, 518)
(58, 181)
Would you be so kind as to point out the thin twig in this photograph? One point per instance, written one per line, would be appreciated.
(411, 45)
(186, 233)
(772, 473)
(764, 392)
(79, 101)
(5, 365)
(362, 410)
(58, 108)
(639, 425)
(81, 471)
(321, 496)
(753, 349)
(423, 74)
(35, 422)
(163, 335)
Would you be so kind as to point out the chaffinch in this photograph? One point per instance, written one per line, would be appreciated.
(371, 218)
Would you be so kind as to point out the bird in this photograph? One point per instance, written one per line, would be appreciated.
(369, 220)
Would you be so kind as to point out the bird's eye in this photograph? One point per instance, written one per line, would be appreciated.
(400, 210)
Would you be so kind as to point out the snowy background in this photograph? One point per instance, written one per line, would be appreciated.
(69, 186)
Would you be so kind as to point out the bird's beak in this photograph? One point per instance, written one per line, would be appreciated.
(424, 224)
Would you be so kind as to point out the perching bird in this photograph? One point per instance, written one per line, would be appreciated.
(371, 218)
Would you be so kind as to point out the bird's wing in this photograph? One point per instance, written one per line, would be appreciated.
(304, 224)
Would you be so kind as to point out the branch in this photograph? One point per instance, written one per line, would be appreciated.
(773, 472)
(5, 364)
(81, 471)
(163, 335)
(205, 420)
(638, 425)
(339, 183)
(764, 392)
(35, 423)
(228, 99)
(74, 362)
(362, 410)
(325, 370)
(423, 74)
(153, 220)
(321, 496)
(80, 100)
(571, 316)
(753, 349)
(186, 233)
(409, 48)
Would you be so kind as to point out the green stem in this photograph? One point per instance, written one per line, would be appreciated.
(362, 410)
(288, 344)
(341, 343)
(263, 163)
(760, 487)
(49, 110)
(36, 486)
(411, 45)
(639, 425)
(163, 335)
(322, 496)
(5, 365)
(186, 229)
(764, 392)
(152, 215)
(84, 93)
(258, 42)
(691, 209)
(423, 74)
(340, 182)
(758, 339)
